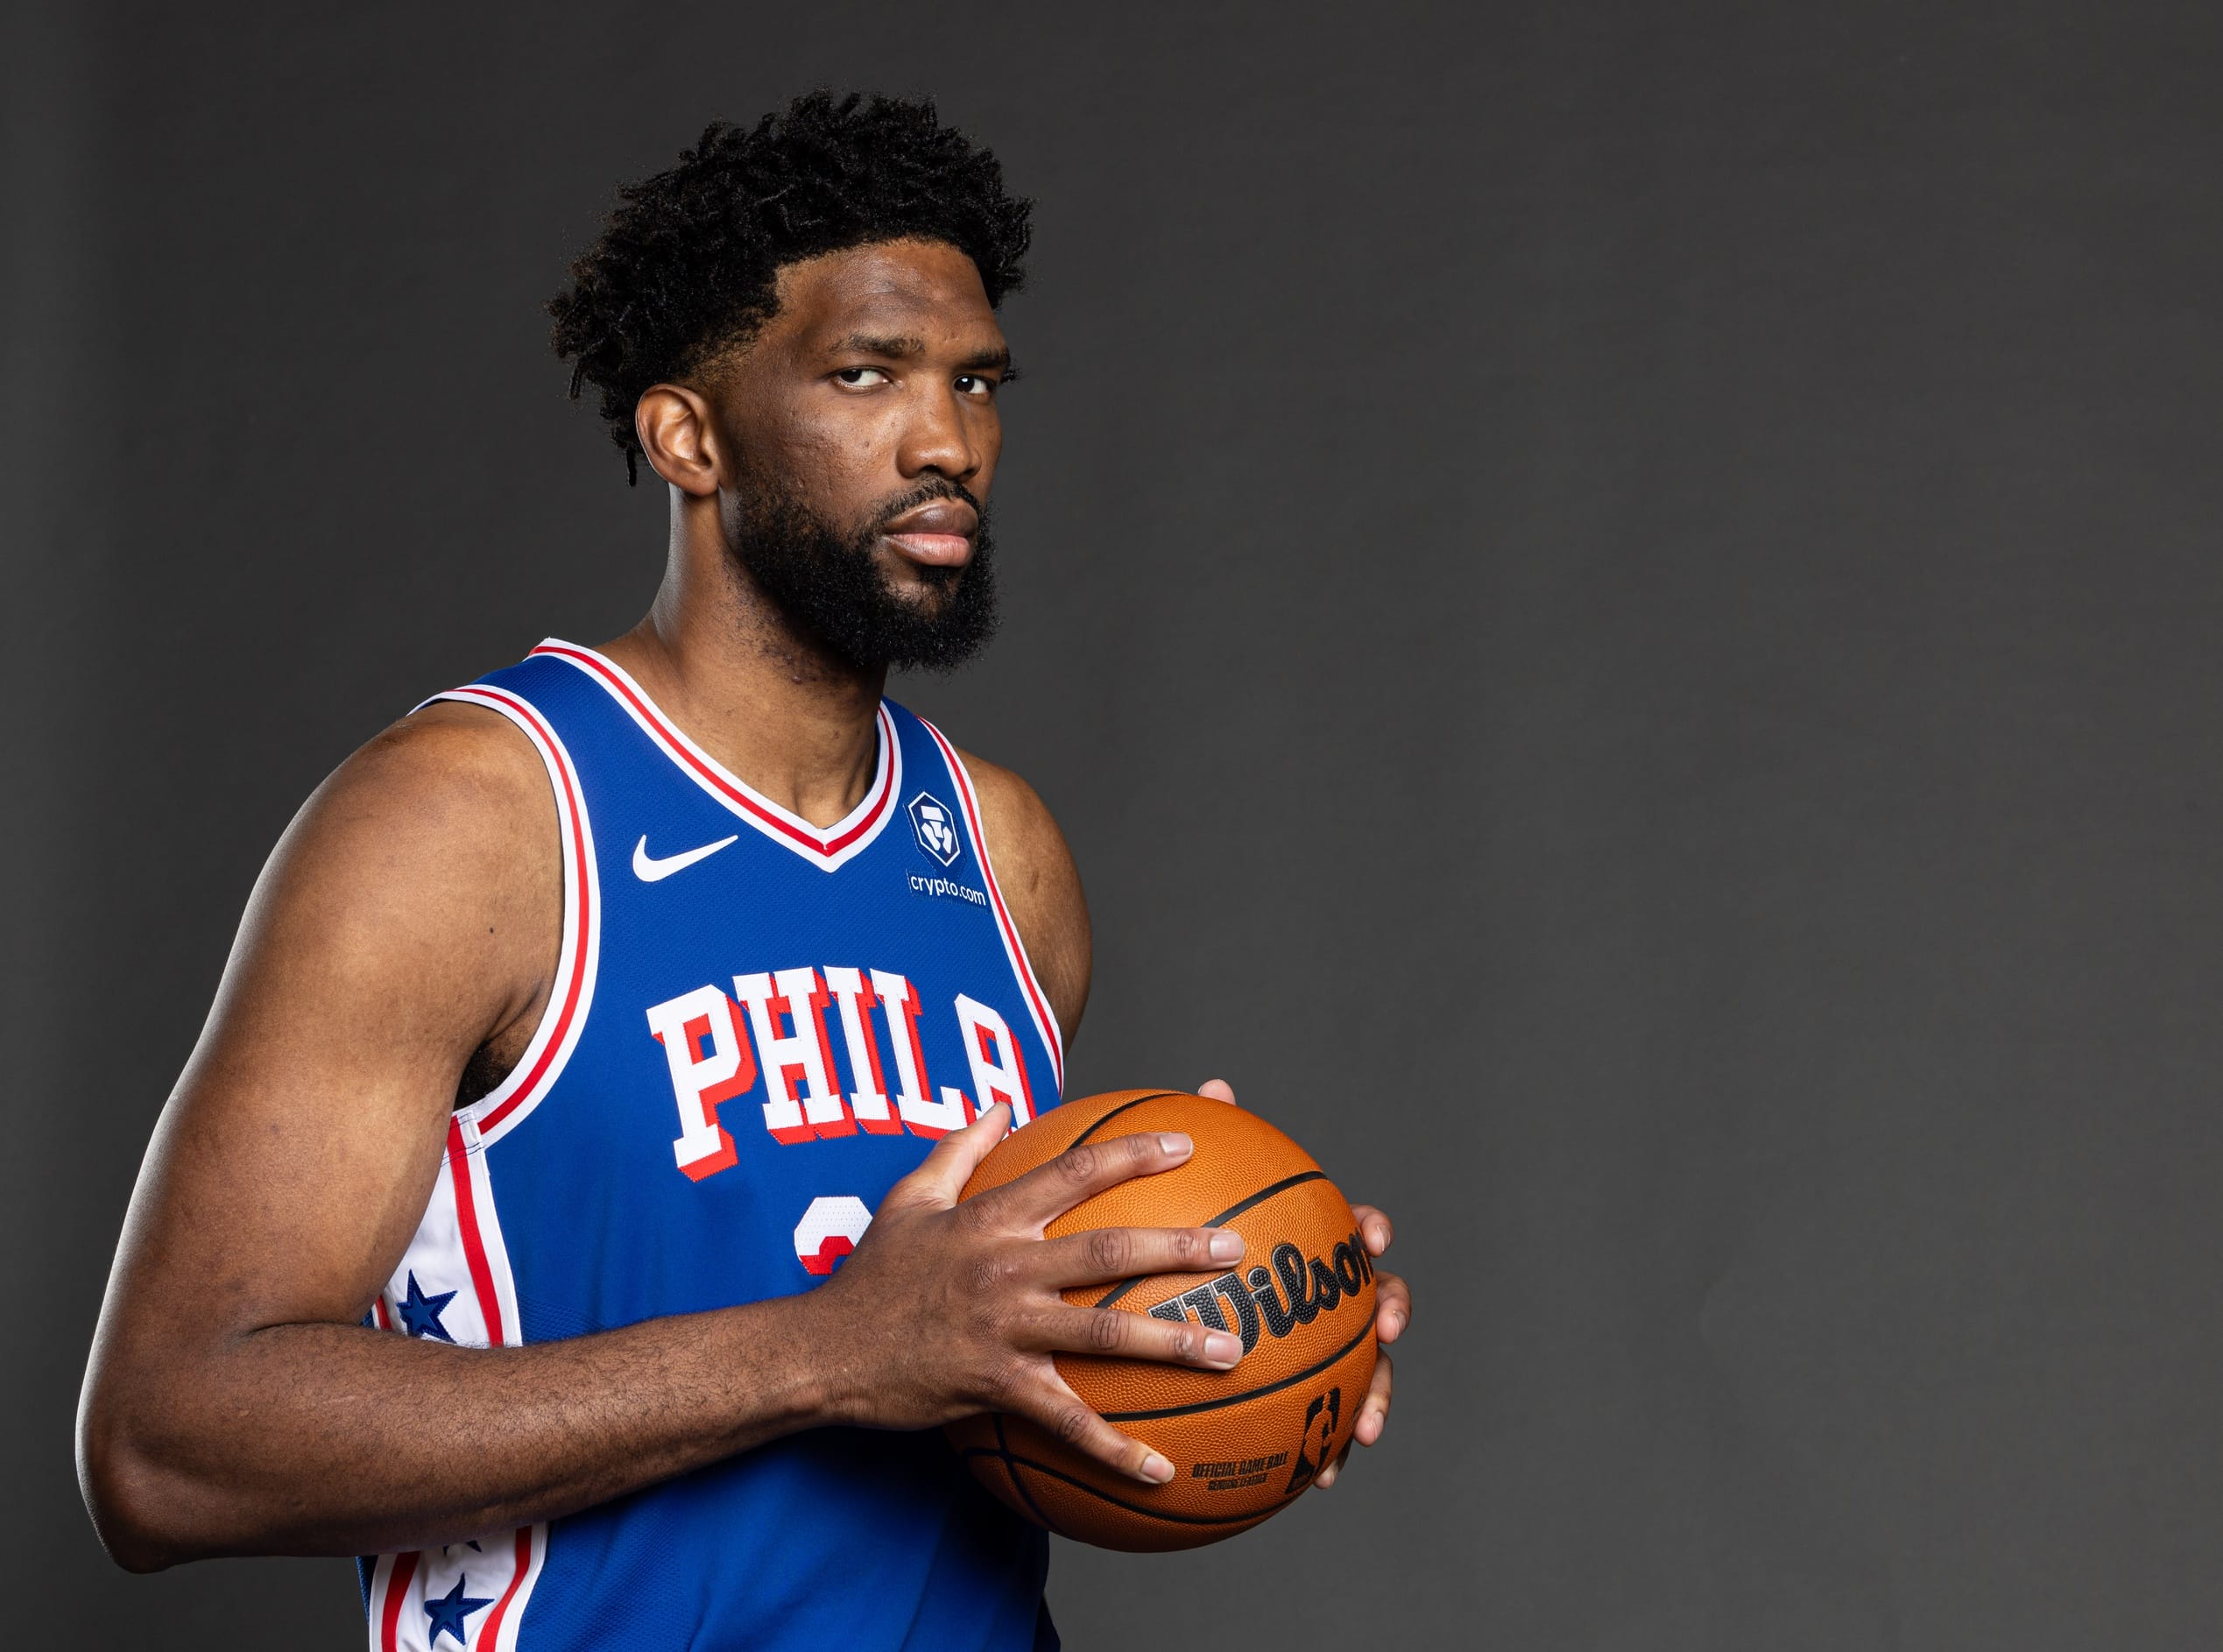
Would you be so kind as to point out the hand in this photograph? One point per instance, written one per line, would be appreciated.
(1392, 1312)
(945, 1310)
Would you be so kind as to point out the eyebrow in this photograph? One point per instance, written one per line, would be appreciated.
(882, 344)
(902, 346)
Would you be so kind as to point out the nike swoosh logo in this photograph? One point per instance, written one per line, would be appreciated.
(649, 870)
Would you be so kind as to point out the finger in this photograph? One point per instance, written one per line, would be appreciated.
(1393, 1307)
(1115, 1333)
(942, 1173)
(1049, 1191)
(1218, 1090)
(1059, 1409)
(1329, 1475)
(1374, 1229)
(1373, 1414)
(1106, 1253)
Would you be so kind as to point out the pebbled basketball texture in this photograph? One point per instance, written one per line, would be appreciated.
(1244, 1443)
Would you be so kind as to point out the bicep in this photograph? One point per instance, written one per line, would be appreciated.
(394, 929)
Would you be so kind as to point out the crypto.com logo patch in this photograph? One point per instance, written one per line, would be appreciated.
(935, 827)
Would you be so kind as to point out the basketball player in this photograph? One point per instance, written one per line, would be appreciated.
(583, 1020)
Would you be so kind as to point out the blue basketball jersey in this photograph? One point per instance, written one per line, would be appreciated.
(758, 1026)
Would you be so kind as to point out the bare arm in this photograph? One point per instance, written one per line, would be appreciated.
(1040, 883)
(235, 1403)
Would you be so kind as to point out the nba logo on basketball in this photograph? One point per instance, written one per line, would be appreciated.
(931, 825)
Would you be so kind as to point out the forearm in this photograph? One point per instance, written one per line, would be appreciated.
(321, 1439)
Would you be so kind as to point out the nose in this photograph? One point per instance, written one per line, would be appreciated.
(939, 436)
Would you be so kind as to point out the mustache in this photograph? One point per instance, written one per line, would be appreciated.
(928, 490)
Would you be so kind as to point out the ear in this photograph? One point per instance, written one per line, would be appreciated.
(679, 437)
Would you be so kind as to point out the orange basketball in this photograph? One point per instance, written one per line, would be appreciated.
(1244, 1443)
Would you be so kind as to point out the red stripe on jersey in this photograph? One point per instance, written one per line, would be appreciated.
(489, 1633)
(573, 811)
(757, 810)
(459, 1171)
(405, 1568)
(1045, 1023)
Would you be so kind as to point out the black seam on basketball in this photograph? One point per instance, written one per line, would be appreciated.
(1227, 1215)
(1158, 1095)
(1003, 1450)
(1249, 1394)
(1264, 1194)
(1121, 1502)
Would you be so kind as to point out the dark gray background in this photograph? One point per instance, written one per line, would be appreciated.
(1619, 603)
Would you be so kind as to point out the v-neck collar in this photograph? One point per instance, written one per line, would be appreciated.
(826, 847)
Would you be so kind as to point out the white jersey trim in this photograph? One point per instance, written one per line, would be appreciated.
(454, 1285)
(571, 995)
(1030, 989)
(828, 848)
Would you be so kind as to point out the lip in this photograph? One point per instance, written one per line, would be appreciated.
(937, 535)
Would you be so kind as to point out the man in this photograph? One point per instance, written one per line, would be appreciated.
(581, 1017)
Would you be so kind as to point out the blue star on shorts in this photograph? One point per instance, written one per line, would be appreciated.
(448, 1611)
(420, 1313)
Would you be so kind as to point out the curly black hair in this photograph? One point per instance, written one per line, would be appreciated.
(683, 270)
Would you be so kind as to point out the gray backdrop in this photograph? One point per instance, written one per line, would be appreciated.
(1619, 603)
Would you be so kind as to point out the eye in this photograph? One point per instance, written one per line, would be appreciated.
(976, 384)
(863, 377)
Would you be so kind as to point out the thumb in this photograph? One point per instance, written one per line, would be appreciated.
(942, 1176)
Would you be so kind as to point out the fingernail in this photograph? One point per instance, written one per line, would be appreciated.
(1327, 1478)
(1227, 1245)
(1156, 1470)
(1222, 1349)
(1177, 1145)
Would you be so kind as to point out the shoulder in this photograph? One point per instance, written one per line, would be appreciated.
(430, 856)
(451, 786)
(1041, 885)
(447, 756)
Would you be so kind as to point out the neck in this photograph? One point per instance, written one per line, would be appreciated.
(795, 723)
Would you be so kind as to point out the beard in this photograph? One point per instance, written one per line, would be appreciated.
(830, 588)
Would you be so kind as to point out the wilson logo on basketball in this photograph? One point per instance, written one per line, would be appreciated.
(1307, 1289)
(1244, 1443)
